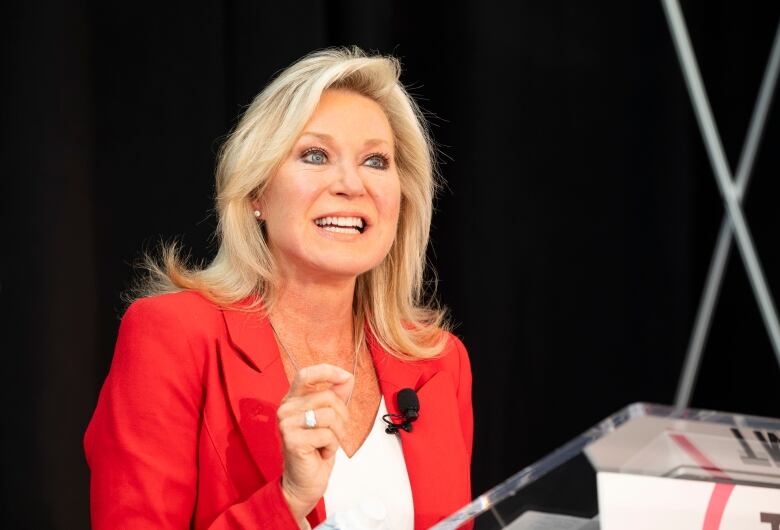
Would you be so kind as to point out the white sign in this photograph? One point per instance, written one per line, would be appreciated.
(640, 502)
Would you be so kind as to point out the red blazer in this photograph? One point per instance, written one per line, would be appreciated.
(185, 434)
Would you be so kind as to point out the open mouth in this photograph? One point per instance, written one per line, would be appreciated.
(342, 225)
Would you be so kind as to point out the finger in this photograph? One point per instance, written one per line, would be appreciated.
(295, 406)
(327, 418)
(344, 390)
(317, 377)
(329, 452)
(303, 442)
(325, 441)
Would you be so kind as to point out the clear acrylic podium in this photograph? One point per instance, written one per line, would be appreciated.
(697, 466)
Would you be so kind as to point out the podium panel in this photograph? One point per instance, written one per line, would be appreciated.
(646, 466)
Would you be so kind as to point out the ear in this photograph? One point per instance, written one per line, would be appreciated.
(257, 203)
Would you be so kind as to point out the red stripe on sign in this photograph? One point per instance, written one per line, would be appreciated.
(720, 493)
(716, 507)
(699, 457)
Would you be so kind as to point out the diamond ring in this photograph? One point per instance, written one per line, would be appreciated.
(309, 419)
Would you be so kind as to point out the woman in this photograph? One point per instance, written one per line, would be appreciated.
(250, 393)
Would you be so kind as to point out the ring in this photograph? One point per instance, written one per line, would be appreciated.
(309, 419)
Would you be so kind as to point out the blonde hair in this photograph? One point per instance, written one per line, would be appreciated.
(391, 298)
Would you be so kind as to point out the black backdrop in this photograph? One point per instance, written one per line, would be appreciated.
(571, 245)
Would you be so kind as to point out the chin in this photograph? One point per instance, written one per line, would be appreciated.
(348, 271)
(346, 267)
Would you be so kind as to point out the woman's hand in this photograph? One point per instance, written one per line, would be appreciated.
(309, 453)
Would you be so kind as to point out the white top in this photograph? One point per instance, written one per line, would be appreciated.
(376, 472)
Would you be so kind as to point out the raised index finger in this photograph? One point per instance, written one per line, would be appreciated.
(321, 377)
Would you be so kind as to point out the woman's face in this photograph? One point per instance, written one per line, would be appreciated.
(331, 210)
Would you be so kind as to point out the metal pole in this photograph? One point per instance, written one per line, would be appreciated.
(732, 195)
(723, 246)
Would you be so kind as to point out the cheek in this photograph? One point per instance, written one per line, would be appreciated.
(390, 209)
(389, 200)
(291, 197)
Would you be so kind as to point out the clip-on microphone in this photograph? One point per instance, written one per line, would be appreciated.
(409, 406)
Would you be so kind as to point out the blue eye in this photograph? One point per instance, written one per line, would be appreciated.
(315, 156)
(377, 161)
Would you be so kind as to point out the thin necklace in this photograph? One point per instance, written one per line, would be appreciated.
(295, 365)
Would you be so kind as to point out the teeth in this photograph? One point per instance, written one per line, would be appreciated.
(340, 230)
(350, 222)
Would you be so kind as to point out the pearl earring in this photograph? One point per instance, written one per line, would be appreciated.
(257, 214)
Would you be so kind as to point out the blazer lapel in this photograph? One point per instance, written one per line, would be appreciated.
(255, 383)
(393, 373)
(434, 451)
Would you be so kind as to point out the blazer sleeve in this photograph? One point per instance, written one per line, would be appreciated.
(465, 410)
(142, 442)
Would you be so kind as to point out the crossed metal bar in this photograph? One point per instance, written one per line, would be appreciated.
(732, 193)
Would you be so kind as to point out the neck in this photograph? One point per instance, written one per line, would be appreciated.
(315, 318)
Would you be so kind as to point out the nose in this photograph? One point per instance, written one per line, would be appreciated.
(349, 182)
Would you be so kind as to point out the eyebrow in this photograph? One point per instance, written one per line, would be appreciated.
(328, 138)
